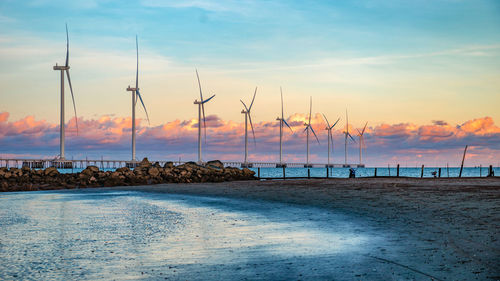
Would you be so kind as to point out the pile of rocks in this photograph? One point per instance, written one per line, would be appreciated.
(26, 179)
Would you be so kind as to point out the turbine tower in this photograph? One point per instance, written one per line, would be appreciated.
(136, 94)
(201, 112)
(63, 69)
(282, 122)
(308, 126)
(248, 117)
(330, 137)
(361, 135)
(347, 134)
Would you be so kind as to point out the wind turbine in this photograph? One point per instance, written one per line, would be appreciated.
(347, 134)
(308, 126)
(136, 94)
(282, 122)
(330, 137)
(201, 112)
(63, 69)
(361, 141)
(246, 111)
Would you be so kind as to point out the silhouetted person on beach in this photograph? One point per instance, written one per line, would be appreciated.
(352, 173)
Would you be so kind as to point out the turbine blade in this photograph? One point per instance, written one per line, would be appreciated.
(140, 98)
(246, 108)
(287, 125)
(312, 130)
(310, 109)
(67, 46)
(282, 113)
(251, 126)
(202, 105)
(73, 98)
(253, 99)
(335, 124)
(364, 128)
(137, 66)
(331, 138)
(351, 138)
(327, 124)
(359, 132)
(207, 100)
(199, 85)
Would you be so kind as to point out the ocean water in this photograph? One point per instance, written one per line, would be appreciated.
(360, 172)
(115, 235)
(370, 172)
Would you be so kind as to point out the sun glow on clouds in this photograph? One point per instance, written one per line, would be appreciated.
(385, 142)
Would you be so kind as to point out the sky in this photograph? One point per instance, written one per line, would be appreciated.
(423, 74)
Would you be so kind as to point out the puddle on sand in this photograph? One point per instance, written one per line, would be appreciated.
(94, 234)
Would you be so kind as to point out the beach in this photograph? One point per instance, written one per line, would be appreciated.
(449, 228)
(321, 229)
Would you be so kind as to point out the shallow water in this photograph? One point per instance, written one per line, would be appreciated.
(415, 172)
(102, 234)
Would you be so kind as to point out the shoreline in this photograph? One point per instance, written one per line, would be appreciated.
(447, 226)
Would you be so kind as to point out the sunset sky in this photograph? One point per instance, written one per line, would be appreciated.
(424, 74)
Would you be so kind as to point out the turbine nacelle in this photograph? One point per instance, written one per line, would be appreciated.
(132, 89)
(60, 67)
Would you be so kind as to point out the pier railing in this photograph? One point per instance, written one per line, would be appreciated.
(114, 164)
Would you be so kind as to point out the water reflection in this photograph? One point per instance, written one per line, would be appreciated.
(90, 234)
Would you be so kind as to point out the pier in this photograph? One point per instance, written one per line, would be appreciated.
(114, 164)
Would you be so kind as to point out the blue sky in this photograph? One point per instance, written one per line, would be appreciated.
(386, 61)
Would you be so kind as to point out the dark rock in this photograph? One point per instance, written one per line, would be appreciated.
(144, 163)
(51, 171)
(168, 165)
(215, 164)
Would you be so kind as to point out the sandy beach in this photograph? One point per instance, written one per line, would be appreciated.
(446, 229)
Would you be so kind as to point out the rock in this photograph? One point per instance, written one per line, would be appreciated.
(145, 163)
(4, 186)
(123, 170)
(157, 165)
(247, 173)
(51, 171)
(153, 171)
(168, 165)
(215, 164)
(93, 169)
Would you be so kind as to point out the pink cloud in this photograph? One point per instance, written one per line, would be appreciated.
(177, 138)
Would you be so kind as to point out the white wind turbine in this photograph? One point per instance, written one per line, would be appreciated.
(362, 145)
(63, 69)
(248, 117)
(308, 126)
(330, 137)
(201, 112)
(347, 134)
(282, 122)
(136, 94)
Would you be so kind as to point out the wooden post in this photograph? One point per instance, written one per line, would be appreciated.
(439, 172)
(308, 173)
(447, 170)
(258, 172)
(389, 169)
(480, 170)
(422, 173)
(284, 176)
(397, 172)
(490, 173)
(462, 166)
(375, 171)
(327, 171)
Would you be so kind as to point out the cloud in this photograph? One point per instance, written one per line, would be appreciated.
(110, 135)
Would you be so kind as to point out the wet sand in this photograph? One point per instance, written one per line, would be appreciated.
(443, 229)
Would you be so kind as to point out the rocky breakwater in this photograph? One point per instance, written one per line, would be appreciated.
(26, 179)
